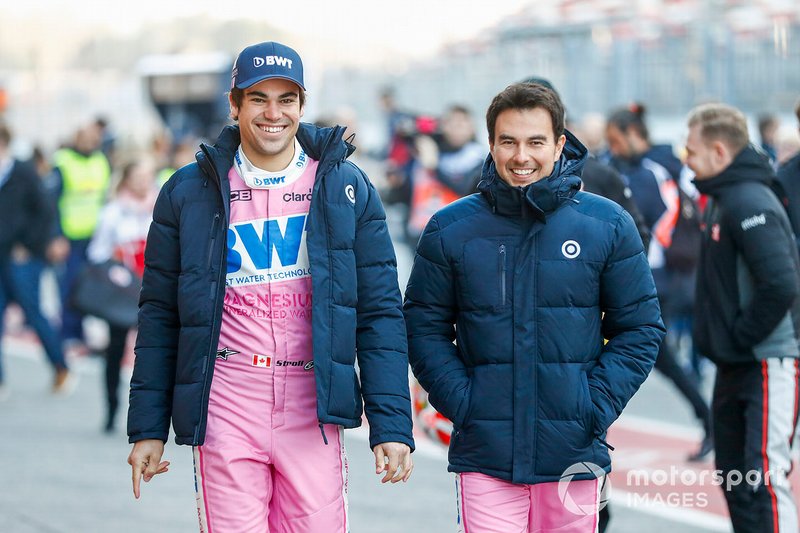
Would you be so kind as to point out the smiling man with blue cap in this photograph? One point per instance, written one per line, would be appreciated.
(255, 374)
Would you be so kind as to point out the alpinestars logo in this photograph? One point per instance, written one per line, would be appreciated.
(224, 353)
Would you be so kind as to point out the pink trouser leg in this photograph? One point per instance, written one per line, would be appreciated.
(577, 513)
(310, 494)
(264, 466)
(491, 505)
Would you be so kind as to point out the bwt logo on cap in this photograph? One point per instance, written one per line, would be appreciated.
(272, 60)
(267, 60)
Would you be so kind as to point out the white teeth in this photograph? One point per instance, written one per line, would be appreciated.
(272, 129)
(522, 172)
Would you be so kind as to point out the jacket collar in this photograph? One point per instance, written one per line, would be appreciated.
(322, 144)
(749, 165)
(540, 198)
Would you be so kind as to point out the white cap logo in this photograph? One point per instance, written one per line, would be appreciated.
(571, 249)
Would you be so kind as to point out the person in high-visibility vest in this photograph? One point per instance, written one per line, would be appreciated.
(82, 175)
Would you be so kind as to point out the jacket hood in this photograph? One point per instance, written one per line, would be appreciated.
(541, 197)
(322, 144)
(749, 165)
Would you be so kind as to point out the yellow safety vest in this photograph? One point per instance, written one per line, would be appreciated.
(85, 184)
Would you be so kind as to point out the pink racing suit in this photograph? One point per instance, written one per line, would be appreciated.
(264, 465)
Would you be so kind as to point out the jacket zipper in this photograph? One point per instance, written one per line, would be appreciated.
(210, 356)
(503, 271)
(213, 239)
(330, 292)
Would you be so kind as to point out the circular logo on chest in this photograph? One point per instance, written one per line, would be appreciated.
(571, 249)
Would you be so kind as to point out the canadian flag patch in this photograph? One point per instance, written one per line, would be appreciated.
(262, 360)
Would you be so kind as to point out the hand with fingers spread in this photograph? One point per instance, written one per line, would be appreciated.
(394, 458)
(145, 461)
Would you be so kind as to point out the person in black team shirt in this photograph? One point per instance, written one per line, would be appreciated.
(747, 316)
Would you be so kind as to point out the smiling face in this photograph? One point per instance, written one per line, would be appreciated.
(524, 147)
(269, 117)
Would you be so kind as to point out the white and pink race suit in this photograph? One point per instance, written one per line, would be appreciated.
(264, 465)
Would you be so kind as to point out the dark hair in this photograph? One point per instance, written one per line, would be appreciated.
(630, 117)
(540, 81)
(527, 96)
(237, 95)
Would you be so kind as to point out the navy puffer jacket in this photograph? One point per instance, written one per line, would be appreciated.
(356, 305)
(528, 282)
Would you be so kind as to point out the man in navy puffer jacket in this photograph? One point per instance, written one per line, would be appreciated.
(252, 371)
(528, 277)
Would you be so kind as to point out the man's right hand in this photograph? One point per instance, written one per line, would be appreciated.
(145, 461)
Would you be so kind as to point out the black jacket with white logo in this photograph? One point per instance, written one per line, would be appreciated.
(748, 278)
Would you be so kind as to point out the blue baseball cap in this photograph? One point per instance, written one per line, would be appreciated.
(267, 60)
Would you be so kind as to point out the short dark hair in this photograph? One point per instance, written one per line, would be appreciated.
(237, 95)
(630, 117)
(527, 96)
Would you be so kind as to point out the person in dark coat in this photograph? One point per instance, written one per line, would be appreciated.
(269, 271)
(27, 217)
(747, 318)
(653, 174)
(528, 277)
